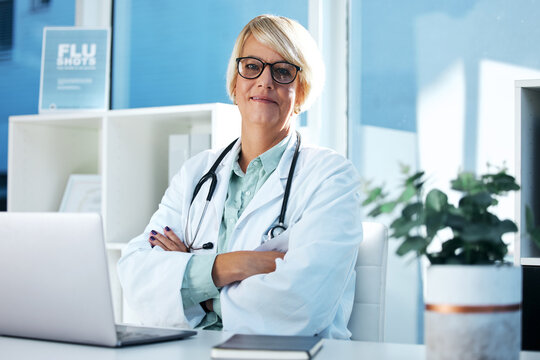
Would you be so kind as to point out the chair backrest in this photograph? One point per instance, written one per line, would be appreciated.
(367, 318)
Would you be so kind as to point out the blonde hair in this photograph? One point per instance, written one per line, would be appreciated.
(294, 43)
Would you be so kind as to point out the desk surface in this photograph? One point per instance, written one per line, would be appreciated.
(198, 347)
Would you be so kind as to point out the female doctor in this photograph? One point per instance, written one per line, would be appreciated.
(260, 237)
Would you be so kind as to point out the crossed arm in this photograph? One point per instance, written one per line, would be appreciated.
(228, 267)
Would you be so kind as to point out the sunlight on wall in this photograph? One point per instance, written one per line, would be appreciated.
(496, 112)
(440, 121)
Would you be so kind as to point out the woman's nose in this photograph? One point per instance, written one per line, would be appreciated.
(265, 79)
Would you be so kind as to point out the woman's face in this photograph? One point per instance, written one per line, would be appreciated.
(262, 101)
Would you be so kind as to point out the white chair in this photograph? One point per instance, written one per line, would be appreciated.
(367, 318)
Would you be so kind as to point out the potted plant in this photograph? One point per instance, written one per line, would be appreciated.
(473, 294)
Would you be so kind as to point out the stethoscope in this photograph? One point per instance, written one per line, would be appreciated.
(211, 175)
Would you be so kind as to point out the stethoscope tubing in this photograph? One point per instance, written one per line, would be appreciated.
(212, 176)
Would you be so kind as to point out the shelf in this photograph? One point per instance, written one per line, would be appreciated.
(530, 261)
(128, 148)
(530, 83)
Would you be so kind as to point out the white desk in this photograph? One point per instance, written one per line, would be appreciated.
(198, 347)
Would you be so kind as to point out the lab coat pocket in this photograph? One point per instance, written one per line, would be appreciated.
(278, 243)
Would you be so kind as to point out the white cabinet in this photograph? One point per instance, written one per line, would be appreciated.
(128, 148)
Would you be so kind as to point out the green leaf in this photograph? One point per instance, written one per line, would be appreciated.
(411, 179)
(412, 243)
(436, 201)
(388, 207)
(402, 226)
(407, 194)
(500, 183)
(376, 211)
(449, 247)
(488, 231)
(473, 232)
(481, 200)
(419, 185)
(435, 221)
(506, 226)
(412, 209)
(466, 182)
(404, 169)
(374, 194)
(455, 221)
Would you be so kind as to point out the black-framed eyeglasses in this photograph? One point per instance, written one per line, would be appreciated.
(282, 72)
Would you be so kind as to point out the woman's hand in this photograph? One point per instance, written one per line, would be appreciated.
(239, 265)
(168, 241)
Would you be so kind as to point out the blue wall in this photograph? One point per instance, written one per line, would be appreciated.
(176, 52)
(19, 84)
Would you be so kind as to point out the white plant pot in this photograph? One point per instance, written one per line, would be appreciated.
(473, 312)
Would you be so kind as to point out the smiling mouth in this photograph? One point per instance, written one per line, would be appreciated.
(263, 100)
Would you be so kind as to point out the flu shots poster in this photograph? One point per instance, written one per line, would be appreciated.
(74, 69)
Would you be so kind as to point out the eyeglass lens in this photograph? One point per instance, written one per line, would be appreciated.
(282, 72)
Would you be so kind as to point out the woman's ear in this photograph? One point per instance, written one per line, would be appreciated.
(299, 101)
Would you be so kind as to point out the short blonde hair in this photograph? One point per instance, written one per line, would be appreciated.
(294, 43)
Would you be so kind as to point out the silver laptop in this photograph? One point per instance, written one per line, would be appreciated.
(55, 284)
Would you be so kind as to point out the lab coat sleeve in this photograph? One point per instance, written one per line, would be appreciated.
(151, 278)
(305, 294)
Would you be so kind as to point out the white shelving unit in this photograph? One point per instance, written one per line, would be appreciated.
(128, 148)
(527, 165)
(527, 254)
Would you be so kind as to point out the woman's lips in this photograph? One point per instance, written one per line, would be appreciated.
(263, 99)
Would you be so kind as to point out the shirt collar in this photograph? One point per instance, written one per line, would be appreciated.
(269, 159)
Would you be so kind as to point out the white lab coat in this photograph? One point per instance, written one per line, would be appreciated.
(312, 289)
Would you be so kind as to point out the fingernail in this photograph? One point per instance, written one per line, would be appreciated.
(167, 228)
(154, 232)
(152, 238)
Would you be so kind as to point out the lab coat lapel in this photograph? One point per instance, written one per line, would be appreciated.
(223, 176)
(274, 186)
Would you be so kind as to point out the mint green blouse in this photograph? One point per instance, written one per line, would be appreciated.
(198, 285)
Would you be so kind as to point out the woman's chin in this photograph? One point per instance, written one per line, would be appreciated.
(265, 120)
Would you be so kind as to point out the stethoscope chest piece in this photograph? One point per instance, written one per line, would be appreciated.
(276, 231)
